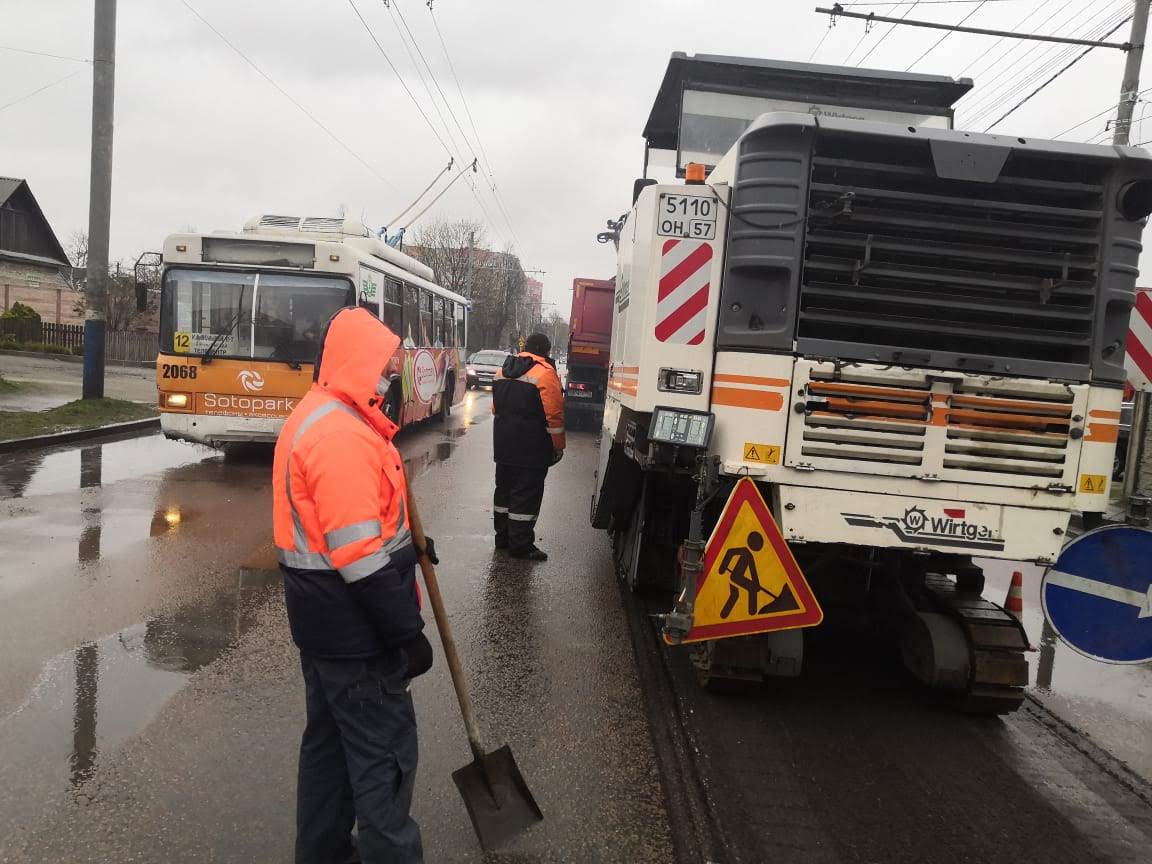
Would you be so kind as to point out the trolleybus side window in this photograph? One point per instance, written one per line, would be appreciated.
(391, 313)
(461, 326)
(411, 316)
(438, 322)
(425, 318)
(449, 324)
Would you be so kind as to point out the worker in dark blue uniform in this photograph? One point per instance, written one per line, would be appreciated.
(528, 438)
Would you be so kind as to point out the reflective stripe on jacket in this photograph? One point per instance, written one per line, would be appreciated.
(340, 513)
(529, 408)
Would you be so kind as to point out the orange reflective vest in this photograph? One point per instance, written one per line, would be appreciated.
(340, 513)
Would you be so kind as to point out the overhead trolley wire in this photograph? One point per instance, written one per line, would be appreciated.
(463, 134)
(299, 106)
(460, 90)
(396, 72)
(1011, 44)
(1060, 72)
(1026, 73)
(887, 33)
(415, 101)
(938, 42)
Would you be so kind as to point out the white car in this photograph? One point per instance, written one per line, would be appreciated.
(483, 366)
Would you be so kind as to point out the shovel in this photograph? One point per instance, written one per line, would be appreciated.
(498, 800)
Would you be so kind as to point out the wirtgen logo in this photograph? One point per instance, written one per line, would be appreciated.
(252, 381)
(921, 529)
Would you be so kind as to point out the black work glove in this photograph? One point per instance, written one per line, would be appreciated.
(419, 654)
(429, 550)
(557, 455)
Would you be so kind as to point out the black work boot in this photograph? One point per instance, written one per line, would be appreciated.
(530, 553)
(501, 542)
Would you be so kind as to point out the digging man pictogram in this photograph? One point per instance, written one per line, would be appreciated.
(740, 565)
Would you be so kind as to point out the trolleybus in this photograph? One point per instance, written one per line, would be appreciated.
(242, 315)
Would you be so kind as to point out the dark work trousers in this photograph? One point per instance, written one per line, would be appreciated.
(357, 763)
(516, 504)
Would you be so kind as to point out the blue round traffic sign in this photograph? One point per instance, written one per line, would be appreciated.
(1098, 595)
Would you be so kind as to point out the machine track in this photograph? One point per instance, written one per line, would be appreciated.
(998, 670)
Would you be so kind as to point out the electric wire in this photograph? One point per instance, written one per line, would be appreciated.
(887, 33)
(467, 111)
(1011, 44)
(1056, 75)
(939, 41)
(827, 30)
(16, 50)
(463, 134)
(404, 84)
(1028, 76)
(39, 90)
(299, 106)
(489, 172)
(395, 5)
(1024, 74)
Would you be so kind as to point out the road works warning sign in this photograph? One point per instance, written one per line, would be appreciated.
(750, 583)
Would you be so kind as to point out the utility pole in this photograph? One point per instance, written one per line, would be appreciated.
(1138, 460)
(100, 194)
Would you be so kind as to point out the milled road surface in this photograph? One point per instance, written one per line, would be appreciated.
(151, 702)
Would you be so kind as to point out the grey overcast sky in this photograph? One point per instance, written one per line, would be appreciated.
(559, 92)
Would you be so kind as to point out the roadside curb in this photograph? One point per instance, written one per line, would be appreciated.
(146, 425)
(72, 358)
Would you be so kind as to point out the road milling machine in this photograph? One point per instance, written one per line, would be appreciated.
(855, 353)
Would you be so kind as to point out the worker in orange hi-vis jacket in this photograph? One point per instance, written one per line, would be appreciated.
(528, 438)
(341, 531)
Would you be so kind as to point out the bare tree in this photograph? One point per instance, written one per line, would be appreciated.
(448, 247)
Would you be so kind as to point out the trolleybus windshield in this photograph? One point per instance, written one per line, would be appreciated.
(271, 316)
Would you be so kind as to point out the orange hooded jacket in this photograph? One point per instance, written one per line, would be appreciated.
(340, 513)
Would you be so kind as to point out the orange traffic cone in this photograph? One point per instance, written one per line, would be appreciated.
(1014, 602)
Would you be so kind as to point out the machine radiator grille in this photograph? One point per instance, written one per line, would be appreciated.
(935, 428)
(898, 257)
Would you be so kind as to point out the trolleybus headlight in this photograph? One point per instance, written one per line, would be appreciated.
(677, 426)
(680, 381)
(174, 400)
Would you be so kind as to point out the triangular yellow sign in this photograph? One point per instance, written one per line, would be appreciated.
(750, 581)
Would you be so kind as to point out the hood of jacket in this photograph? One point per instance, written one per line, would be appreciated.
(353, 355)
(517, 365)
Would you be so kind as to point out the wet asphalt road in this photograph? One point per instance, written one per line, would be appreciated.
(150, 698)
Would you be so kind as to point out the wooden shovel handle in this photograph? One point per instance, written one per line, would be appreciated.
(451, 655)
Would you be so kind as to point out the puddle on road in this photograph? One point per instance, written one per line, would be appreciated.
(48, 472)
(89, 701)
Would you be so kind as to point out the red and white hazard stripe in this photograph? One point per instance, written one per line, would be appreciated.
(1139, 361)
(682, 295)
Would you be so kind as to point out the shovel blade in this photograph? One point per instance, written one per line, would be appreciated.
(498, 800)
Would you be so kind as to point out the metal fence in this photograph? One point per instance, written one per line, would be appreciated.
(139, 347)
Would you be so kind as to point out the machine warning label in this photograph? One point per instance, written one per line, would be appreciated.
(750, 582)
(765, 454)
(1093, 484)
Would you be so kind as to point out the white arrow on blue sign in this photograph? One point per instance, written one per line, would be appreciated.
(1098, 595)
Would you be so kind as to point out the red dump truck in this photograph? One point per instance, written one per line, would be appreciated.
(589, 340)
